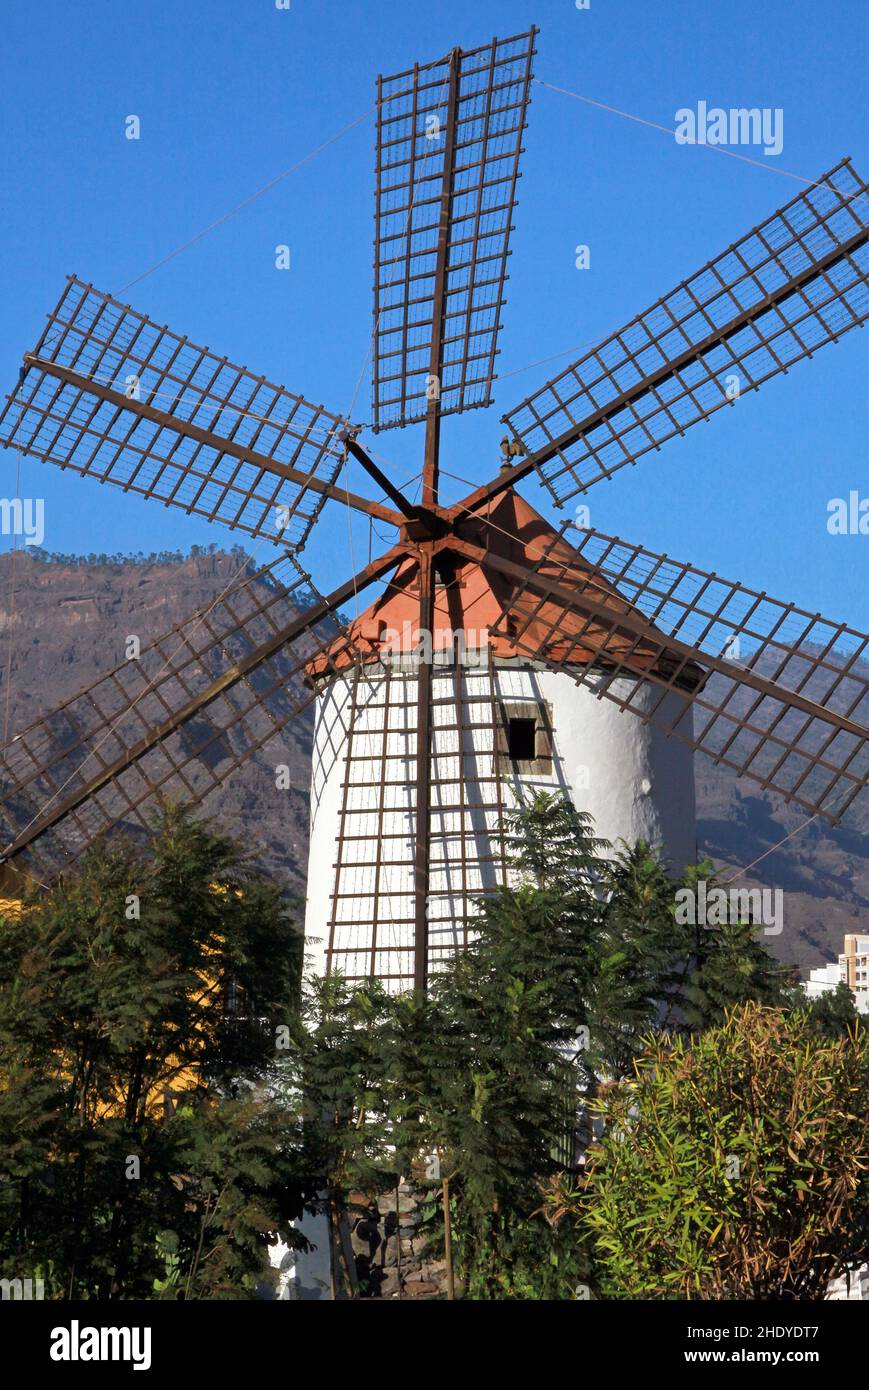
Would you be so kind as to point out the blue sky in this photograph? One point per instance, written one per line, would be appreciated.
(229, 94)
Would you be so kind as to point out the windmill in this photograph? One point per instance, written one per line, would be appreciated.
(419, 745)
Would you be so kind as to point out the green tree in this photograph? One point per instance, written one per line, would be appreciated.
(139, 1002)
(832, 1014)
(496, 1064)
(495, 1070)
(643, 958)
(730, 966)
(335, 1081)
(732, 1165)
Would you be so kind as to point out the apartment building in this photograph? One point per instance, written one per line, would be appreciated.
(851, 969)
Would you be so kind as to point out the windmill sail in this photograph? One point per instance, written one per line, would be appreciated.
(371, 925)
(175, 720)
(784, 697)
(449, 138)
(796, 282)
(117, 398)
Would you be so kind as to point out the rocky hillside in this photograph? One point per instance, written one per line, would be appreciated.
(822, 870)
(62, 623)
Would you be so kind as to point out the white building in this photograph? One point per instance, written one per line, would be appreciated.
(854, 1288)
(851, 969)
(503, 723)
(822, 979)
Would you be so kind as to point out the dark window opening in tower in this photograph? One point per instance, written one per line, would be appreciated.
(522, 739)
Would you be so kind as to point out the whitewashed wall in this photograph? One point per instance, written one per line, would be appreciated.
(633, 780)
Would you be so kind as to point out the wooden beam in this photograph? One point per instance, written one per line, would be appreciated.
(424, 754)
(214, 441)
(634, 625)
(230, 678)
(439, 305)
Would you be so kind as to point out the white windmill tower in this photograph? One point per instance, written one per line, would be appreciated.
(503, 723)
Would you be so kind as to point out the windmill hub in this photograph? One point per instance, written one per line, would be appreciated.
(428, 524)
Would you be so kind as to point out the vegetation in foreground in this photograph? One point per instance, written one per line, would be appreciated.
(139, 1155)
(169, 1102)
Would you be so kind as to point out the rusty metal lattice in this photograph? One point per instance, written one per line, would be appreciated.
(221, 684)
(786, 695)
(372, 923)
(449, 138)
(797, 281)
(120, 399)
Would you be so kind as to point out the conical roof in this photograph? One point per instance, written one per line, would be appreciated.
(478, 598)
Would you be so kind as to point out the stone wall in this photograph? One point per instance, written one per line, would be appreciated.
(390, 1244)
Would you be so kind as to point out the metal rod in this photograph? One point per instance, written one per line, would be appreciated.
(355, 448)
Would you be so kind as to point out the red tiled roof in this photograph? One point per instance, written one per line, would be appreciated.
(474, 602)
